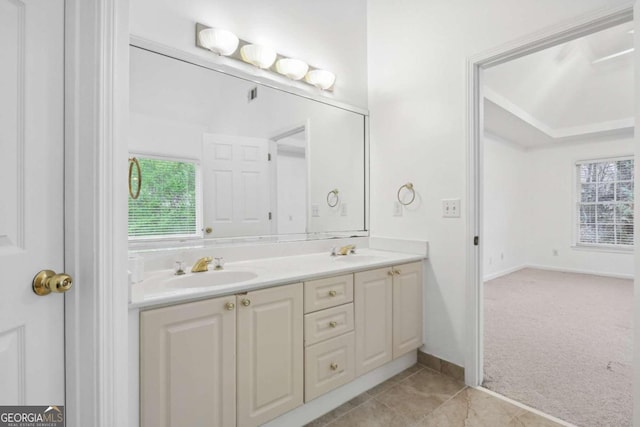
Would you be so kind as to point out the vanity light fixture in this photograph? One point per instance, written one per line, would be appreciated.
(258, 55)
(218, 41)
(295, 69)
(226, 43)
(322, 79)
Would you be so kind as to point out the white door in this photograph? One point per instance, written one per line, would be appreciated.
(236, 186)
(31, 200)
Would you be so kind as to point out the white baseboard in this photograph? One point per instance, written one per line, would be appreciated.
(581, 271)
(503, 272)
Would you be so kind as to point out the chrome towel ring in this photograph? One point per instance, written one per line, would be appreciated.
(335, 198)
(409, 187)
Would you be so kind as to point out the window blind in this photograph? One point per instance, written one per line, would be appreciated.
(168, 203)
(605, 202)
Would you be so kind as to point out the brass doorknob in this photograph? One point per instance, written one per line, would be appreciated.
(333, 366)
(47, 281)
(229, 306)
(333, 323)
(332, 293)
(208, 230)
(246, 302)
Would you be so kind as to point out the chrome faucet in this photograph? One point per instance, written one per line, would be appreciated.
(201, 265)
(349, 249)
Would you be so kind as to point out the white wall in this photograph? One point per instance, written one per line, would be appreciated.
(505, 215)
(529, 208)
(417, 54)
(329, 34)
(550, 201)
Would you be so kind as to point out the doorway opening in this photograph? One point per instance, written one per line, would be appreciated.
(552, 199)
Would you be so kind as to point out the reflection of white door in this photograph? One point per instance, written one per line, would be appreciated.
(236, 185)
(31, 194)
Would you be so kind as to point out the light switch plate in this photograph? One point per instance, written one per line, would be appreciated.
(397, 209)
(451, 208)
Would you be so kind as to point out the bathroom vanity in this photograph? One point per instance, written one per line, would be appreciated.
(278, 336)
(248, 352)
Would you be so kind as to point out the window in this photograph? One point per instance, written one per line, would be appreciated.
(169, 200)
(605, 202)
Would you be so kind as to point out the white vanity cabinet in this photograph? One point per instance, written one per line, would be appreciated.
(407, 308)
(270, 353)
(190, 374)
(388, 314)
(188, 369)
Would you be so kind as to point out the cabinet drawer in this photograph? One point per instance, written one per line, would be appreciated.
(328, 365)
(329, 323)
(329, 292)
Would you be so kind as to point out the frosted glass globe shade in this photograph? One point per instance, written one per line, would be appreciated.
(258, 55)
(219, 41)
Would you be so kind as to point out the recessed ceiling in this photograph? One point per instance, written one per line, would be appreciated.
(566, 92)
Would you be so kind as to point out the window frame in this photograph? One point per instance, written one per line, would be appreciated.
(199, 201)
(607, 247)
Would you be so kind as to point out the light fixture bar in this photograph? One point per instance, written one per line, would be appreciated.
(273, 68)
(615, 55)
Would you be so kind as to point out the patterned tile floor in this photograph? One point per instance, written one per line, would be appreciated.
(420, 396)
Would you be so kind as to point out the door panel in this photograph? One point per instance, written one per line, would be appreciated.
(187, 375)
(31, 194)
(236, 185)
(407, 308)
(270, 353)
(373, 292)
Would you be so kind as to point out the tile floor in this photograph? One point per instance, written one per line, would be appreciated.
(422, 397)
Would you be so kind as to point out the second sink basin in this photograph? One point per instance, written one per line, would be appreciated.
(209, 278)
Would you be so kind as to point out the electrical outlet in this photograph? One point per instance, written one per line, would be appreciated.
(397, 209)
(315, 210)
(343, 209)
(451, 208)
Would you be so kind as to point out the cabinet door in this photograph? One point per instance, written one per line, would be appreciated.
(373, 306)
(270, 353)
(407, 308)
(188, 369)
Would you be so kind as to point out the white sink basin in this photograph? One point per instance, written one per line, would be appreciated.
(209, 278)
(355, 258)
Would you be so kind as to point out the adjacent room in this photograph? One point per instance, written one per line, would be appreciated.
(558, 221)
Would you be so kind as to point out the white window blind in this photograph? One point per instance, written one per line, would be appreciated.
(605, 202)
(168, 202)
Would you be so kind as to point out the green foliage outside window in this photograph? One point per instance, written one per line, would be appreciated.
(167, 205)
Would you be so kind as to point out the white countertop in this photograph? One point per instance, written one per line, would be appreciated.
(270, 272)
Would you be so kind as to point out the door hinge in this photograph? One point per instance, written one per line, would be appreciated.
(268, 157)
(476, 240)
(269, 216)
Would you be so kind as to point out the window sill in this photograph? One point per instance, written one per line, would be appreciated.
(603, 248)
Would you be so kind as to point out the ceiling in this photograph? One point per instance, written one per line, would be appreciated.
(569, 92)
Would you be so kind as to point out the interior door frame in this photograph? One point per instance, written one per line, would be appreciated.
(96, 109)
(563, 32)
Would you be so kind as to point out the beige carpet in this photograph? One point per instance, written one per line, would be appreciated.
(561, 343)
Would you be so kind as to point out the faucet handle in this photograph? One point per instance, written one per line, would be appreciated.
(353, 249)
(219, 263)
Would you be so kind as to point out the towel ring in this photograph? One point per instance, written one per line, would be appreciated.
(335, 197)
(133, 161)
(408, 186)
